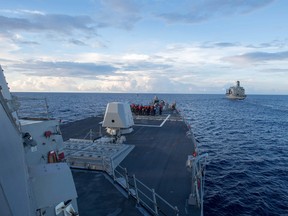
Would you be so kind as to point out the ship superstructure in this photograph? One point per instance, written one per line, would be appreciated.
(33, 178)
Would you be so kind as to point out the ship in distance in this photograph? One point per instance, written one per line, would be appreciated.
(236, 92)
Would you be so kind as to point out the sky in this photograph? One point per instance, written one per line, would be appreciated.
(145, 46)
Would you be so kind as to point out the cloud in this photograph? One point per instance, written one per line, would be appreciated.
(18, 39)
(199, 11)
(77, 42)
(145, 66)
(109, 13)
(178, 68)
(65, 69)
(57, 23)
(23, 11)
(44, 84)
(278, 71)
(219, 45)
(25, 27)
(272, 44)
(256, 57)
(225, 44)
(79, 30)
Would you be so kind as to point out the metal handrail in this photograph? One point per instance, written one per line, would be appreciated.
(151, 199)
(42, 113)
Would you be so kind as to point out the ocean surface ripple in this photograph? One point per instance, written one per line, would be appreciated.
(247, 143)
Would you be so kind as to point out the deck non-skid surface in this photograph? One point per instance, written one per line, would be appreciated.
(159, 160)
(79, 129)
(98, 196)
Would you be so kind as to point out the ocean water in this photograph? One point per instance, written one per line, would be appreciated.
(247, 143)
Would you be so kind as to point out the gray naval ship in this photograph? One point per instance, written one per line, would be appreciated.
(121, 163)
(236, 92)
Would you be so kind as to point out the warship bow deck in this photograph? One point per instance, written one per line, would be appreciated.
(161, 148)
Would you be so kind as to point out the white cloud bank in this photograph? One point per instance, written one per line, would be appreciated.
(179, 68)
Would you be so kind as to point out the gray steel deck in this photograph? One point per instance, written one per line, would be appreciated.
(158, 160)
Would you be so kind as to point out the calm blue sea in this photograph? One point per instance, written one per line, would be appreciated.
(246, 141)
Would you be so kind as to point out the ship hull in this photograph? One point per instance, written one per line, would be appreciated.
(235, 97)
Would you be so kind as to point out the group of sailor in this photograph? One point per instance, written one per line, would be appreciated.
(139, 109)
(156, 107)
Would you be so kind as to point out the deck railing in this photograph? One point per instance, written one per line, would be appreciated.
(145, 196)
(36, 107)
(197, 164)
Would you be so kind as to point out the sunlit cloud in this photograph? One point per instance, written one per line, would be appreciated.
(47, 84)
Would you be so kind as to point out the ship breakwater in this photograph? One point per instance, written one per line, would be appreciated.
(246, 141)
